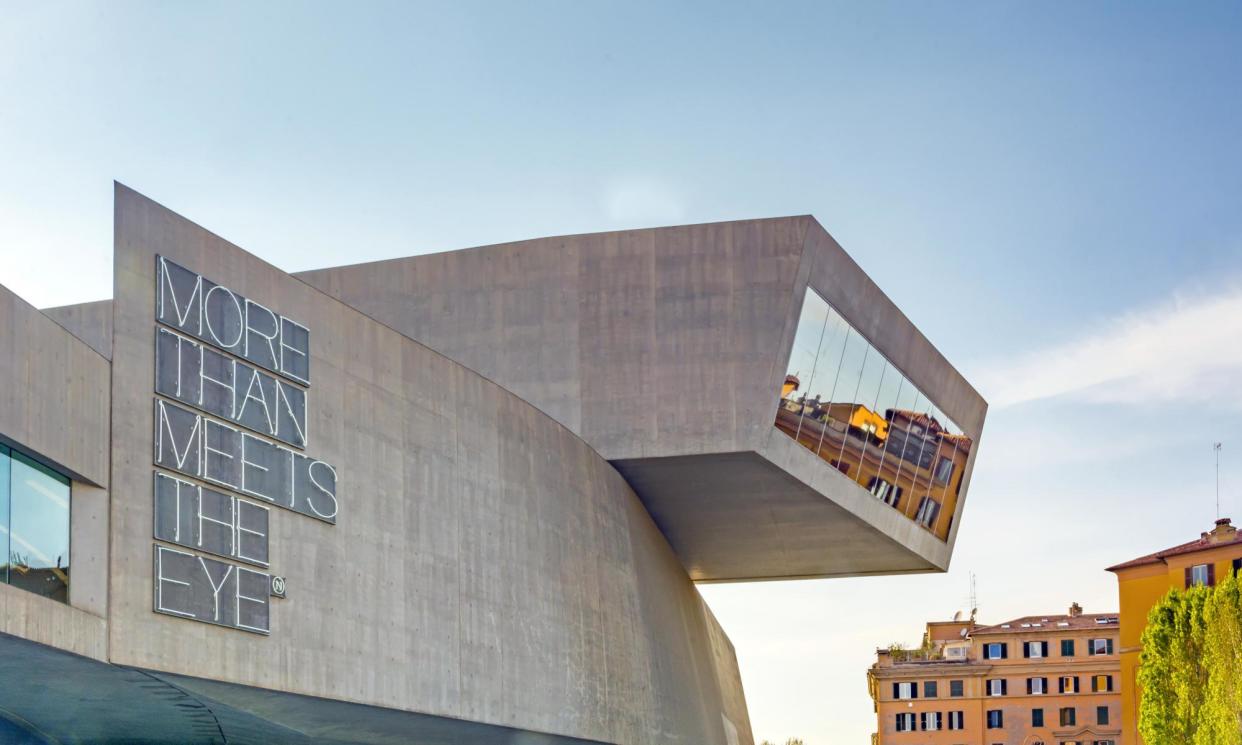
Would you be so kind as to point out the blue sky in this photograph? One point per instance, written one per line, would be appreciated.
(1050, 191)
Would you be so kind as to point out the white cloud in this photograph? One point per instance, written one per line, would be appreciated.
(1186, 350)
(641, 202)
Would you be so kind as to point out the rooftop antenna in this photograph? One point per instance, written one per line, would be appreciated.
(974, 599)
(1216, 448)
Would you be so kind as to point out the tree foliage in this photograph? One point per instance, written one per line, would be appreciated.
(1190, 668)
(1221, 720)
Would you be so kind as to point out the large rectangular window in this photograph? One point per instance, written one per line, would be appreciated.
(34, 525)
(845, 402)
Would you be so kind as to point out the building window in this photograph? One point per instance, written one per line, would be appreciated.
(997, 687)
(34, 526)
(1036, 686)
(1101, 715)
(929, 721)
(944, 470)
(955, 688)
(928, 510)
(905, 690)
(996, 719)
(1099, 646)
(905, 722)
(929, 689)
(1068, 717)
(1069, 684)
(1067, 647)
(956, 720)
(1101, 683)
(885, 491)
(1034, 650)
(1200, 575)
(1037, 717)
(995, 651)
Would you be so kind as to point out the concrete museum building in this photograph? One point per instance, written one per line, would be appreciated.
(453, 498)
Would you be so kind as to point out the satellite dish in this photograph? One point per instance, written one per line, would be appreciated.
(957, 616)
(963, 633)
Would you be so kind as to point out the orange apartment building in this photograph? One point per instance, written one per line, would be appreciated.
(1142, 582)
(1037, 680)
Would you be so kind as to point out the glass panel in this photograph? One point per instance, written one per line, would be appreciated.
(863, 437)
(838, 408)
(819, 388)
(39, 529)
(895, 393)
(4, 513)
(801, 364)
(904, 444)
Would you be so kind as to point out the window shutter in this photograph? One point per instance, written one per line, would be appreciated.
(1029, 687)
(1043, 648)
(914, 690)
(1110, 646)
(1004, 651)
(1189, 578)
(1004, 687)
(1211, 575)
(896, 690)
(923, 721)
(1046, 685)
(1026, 649)
(1095, 684)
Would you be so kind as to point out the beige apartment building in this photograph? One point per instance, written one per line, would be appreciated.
(1035, 680)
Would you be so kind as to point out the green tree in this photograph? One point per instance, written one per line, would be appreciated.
(1220, 722)
(1190, 668)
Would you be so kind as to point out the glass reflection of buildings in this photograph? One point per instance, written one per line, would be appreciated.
(34, 526)
(845, 402)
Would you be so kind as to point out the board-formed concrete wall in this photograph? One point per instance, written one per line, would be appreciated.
(648, 343)
(485, 564)
(90, 322)
(54, 405)
(666, 350)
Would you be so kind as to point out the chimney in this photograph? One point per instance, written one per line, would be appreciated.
(1224, 532)
(1075, 610)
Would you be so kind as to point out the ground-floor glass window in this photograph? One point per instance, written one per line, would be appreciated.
(34, 525)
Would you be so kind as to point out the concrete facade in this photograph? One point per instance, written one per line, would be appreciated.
(665, 349)
(537, 450)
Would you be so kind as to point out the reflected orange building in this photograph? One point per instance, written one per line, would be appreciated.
(860, 413)
(905, 458)
(1143, 582)
(1036, 680)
